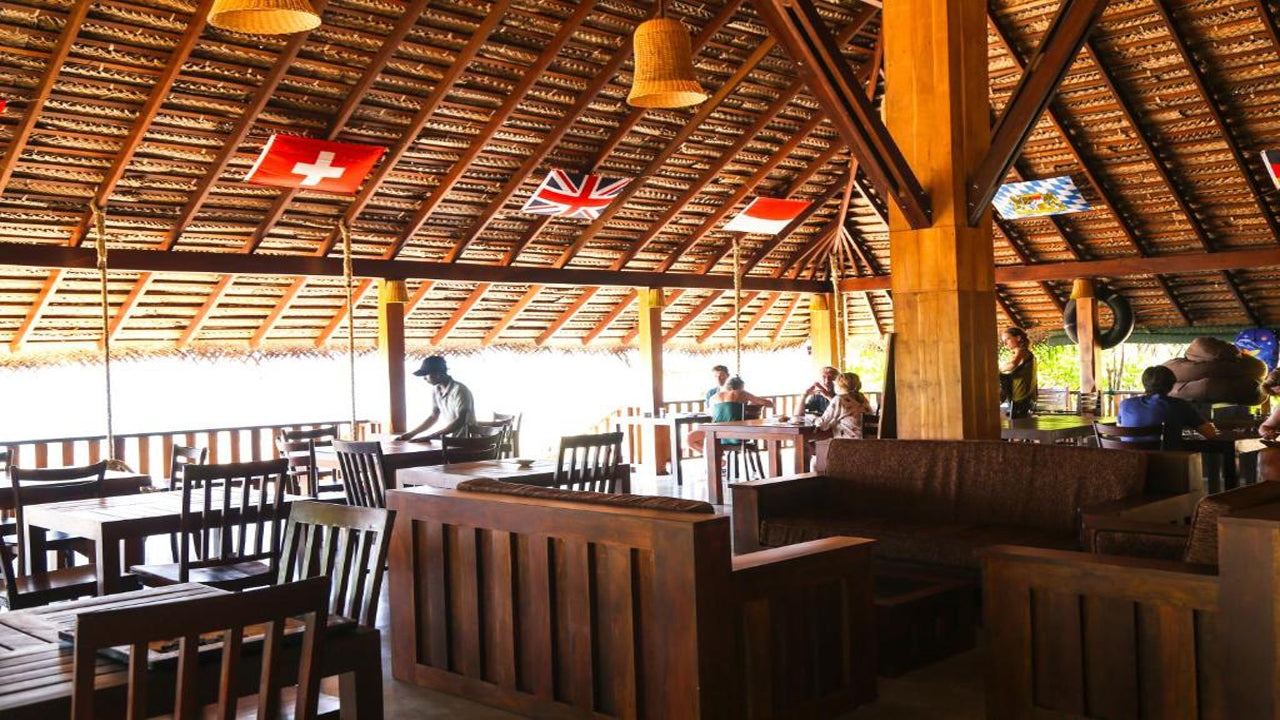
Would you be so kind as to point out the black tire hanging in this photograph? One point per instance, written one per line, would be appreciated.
(1119, 331)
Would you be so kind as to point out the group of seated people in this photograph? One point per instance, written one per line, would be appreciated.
(836, 400)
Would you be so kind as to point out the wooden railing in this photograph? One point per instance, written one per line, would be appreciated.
(150, 453)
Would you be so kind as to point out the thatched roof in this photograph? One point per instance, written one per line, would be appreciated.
(142, 106)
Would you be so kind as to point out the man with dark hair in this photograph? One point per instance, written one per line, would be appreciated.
(1155, 407)
(721, 374)
(451, 403)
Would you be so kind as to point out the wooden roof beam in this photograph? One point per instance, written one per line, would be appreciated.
(786, 318)
(418, 296)
(610, 317)
(724, 319)
(564, 317)
(634, 332)
(358, 293)
(804, 34)
(1053, 58)
(692, 315)
(770, 301)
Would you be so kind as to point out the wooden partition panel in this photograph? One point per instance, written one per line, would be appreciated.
(1086, 636)
(550, 610)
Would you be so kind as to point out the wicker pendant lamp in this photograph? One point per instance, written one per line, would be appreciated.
(264, 17)
(663, 66)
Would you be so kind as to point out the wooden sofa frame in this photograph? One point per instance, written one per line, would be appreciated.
(563, 609)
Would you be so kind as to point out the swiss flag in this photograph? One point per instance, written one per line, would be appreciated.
(1271, 158)
(338, 167)
(3, 104)
(767, 216)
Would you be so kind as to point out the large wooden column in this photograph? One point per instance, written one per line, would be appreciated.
(824, 341)
(392, 295)
(943, 276)
(655, 440)
(1087, 332)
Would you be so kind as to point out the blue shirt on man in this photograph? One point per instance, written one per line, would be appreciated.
(1146, 410)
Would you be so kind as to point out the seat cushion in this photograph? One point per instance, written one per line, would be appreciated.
(235, 576)
(1202, 544)
(951, 544)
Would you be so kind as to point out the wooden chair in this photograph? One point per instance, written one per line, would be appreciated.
(489, 428)
(189, 622)
(364, 473)
(346, 543)
(182, 457)
(471, 449)
(1089, 404)
(28, 591)
(1113, 437)
(513, 432)
(230, 522)
(1053, 401)
(300, 446)
(32, 486)
(592, 462)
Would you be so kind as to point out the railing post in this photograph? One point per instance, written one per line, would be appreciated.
(656, 439)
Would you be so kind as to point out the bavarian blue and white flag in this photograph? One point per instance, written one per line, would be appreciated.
(1035, 198)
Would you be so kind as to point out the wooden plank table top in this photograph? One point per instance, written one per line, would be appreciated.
(113, 483)
(399, 454)
(1049, 428)
(38, 673)
(541, 472)
(113, 522)
(769, 431)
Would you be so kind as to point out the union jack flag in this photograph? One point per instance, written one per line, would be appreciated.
(577, 195)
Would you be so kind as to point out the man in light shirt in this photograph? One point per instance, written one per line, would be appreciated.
(451, 403)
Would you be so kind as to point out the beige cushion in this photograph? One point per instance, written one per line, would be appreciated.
(1202, 543)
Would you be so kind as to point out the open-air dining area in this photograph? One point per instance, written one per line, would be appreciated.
(663, 359)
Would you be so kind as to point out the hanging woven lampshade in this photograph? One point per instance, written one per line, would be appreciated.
(663, 67)
(264, 17)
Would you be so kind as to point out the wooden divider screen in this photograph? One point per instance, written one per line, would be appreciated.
(1078, 635)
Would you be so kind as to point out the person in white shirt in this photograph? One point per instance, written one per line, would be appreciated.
(843, 416)
(451, 403)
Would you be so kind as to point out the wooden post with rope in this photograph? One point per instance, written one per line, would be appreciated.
(737, 304)
(99, 219)
(349, 285)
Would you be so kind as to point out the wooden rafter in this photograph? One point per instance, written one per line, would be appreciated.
(461, 312)
(770, 300)
(786, 318)
(418, 296)
(409, 137)
(480, 143)
(358, 294)
(655, 164)
(511, 314)
(762, 121)
(559, 322)
(692, 315)
(724, 319)
(629, 336)
(610, 317)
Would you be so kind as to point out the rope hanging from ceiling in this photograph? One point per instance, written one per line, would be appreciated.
(348, 282)
(837, 310)
(737, 305)
(99, 220)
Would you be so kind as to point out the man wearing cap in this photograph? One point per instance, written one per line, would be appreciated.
(450, 402)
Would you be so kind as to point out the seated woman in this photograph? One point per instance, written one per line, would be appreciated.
(843, 417)
(1155, 407)
(729, 405)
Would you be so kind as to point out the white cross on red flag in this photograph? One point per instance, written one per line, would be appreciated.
(310, 164)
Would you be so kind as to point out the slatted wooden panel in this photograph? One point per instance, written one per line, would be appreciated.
(1075, 635)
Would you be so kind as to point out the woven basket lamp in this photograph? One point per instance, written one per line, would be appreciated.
(264, 17)
(663, 67)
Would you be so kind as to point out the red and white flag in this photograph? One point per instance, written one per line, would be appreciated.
(1271, 158)
(289, 161)
(767, 216)
(3, 104)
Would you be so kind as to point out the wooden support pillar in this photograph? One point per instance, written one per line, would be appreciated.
(1249, 612)
(944, 275)
(1087, 332)
(824, 341)
(392, 296)
(656, 440)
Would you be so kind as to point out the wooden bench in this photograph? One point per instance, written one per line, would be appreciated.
(565, 609)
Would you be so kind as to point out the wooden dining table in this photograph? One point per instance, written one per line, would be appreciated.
(36, 661)
(1049, 429)
(540, 472)
(398, 454)
(114, 483)
(769, 432)
(119, 527)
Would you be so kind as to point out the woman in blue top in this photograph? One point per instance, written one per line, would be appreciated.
(729, 405)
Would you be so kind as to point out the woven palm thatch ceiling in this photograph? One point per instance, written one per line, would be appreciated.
(141, 107)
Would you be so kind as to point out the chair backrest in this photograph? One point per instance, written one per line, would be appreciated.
(1202, 539)
(1053, 400)
(320, 436)
(231, 513)
(1090, 403)
(471, 449)
(37, 486)
(346, 543)
(592, 462)
(182, 457)
(513, 430)
(364, 473)
(265, 615)
(10, 575)
(301, 456)
(752, 412)
(487, 428)
(1114, 437)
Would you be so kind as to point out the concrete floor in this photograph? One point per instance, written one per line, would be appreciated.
(949, 690)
